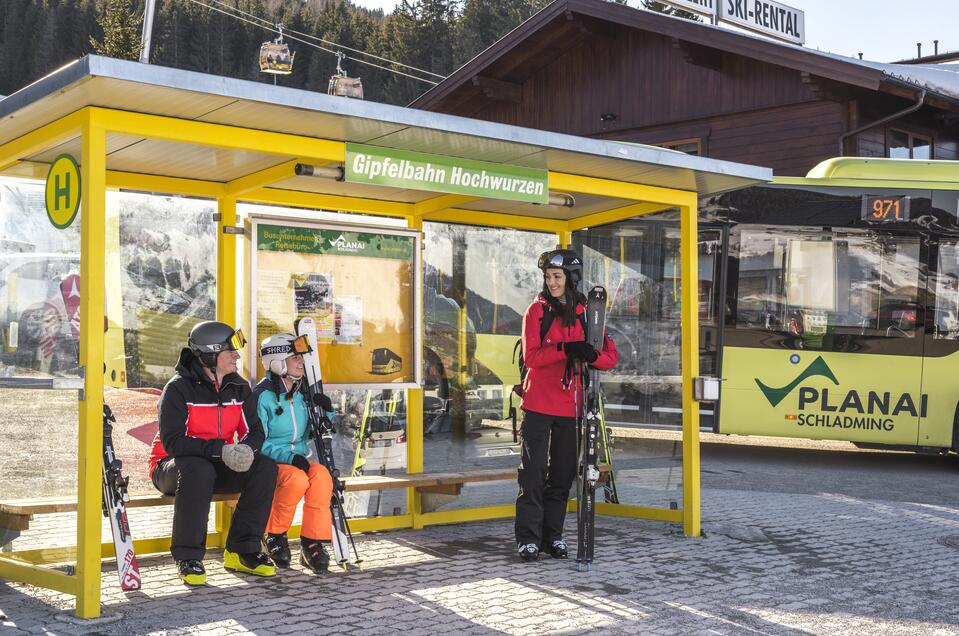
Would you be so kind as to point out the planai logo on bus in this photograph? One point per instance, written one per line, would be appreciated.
(876, 409)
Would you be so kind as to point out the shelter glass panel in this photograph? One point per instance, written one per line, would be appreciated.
(39, 286)
(638, 262)
(161, 281)
(371, 440)
(39, 355)
(478, 283)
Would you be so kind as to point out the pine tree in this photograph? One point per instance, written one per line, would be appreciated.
(419, 33)
(121, 31)
(481, 23)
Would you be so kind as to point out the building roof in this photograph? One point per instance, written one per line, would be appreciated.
(537, 41)
(154, 90)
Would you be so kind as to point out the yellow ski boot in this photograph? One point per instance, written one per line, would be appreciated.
(255, 563)
(191, 572)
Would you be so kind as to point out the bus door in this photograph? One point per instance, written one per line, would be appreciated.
(823, 339)
(940, 372)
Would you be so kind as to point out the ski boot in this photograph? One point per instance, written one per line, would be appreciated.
(528, 552)
(252, 563)
(191, 571)
(557, 549)
(313, 555)
(278, 547)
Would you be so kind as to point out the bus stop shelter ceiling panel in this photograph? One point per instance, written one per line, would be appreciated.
(585, 204)
(127, 153)
(466, 146)
(300, 122)
(189, 96)
(73, 147)
(341, 188)
(206, 163)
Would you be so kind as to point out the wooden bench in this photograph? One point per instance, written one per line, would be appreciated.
(15, 515)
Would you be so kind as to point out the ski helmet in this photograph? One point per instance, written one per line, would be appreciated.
(275, 350)
(568, 260)
(207, 339)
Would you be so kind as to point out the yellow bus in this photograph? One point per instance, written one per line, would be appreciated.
(829, 304)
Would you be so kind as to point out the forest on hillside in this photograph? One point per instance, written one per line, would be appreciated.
(38, 36)
(431, 38)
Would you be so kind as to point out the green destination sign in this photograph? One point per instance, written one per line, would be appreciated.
(278, 238)
(437, 173)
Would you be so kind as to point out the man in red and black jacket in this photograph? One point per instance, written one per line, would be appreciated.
(209, 442)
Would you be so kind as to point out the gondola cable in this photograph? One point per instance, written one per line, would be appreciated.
(270, 27)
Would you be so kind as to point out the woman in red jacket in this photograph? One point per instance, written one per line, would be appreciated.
(552, 397)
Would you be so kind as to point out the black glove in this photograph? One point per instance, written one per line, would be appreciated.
(580, 350)
(301, 462)
(323, 401)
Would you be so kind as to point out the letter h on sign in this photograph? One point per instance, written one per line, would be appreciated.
(61, 192)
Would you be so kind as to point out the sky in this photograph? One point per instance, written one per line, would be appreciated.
(882, 30)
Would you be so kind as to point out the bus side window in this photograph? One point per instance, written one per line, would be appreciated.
(946, 324)
(815, 284)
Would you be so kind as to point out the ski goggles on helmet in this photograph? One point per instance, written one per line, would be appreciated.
(296, 347)
(559, 259)
(236, 341)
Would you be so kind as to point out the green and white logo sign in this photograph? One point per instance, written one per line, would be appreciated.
(278, 238)
(437, 173)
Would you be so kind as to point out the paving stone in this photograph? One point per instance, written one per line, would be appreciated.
(786, 564)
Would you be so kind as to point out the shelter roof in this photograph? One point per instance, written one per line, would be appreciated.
(537, 41)
(189, 97)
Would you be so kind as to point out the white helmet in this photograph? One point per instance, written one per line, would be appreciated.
(275, 350)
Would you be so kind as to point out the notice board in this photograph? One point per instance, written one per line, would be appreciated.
(359, 285)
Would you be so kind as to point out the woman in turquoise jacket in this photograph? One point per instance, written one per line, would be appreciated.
(281, 405)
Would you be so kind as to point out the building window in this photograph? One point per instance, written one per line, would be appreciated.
(688, 146)
(906, 145)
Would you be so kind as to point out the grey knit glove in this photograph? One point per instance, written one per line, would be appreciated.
(237, 457)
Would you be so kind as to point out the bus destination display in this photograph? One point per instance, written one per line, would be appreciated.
(885, 209)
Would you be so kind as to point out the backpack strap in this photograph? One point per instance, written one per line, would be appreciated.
(545, 323)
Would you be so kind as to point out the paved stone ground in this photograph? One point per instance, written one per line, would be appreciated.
(770, 563)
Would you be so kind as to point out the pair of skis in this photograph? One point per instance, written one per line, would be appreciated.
(590, 421)
(115, 497)
(322, 433)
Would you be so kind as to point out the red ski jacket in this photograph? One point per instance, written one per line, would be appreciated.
(545, 361)
(197, 418)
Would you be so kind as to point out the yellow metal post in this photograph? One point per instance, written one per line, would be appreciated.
(414, 450)
(414, 409)
(564, 238)
(92, 266)
(226, 312)
(690, 362)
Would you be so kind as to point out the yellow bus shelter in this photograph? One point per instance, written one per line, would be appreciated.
(158, 130)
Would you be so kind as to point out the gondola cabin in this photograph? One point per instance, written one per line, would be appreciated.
(343, 86)
(276, 58)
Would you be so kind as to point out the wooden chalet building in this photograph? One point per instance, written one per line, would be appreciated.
(601, 69)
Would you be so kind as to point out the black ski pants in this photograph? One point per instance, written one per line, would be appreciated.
(194, 480)
(546, 475)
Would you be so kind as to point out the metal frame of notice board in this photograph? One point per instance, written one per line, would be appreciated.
(253, 221)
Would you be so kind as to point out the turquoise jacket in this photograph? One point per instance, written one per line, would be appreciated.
(287, 433)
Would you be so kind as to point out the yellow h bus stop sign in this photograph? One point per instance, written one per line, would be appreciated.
(63, 191)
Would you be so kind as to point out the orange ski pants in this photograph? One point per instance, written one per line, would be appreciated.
(316, 489)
